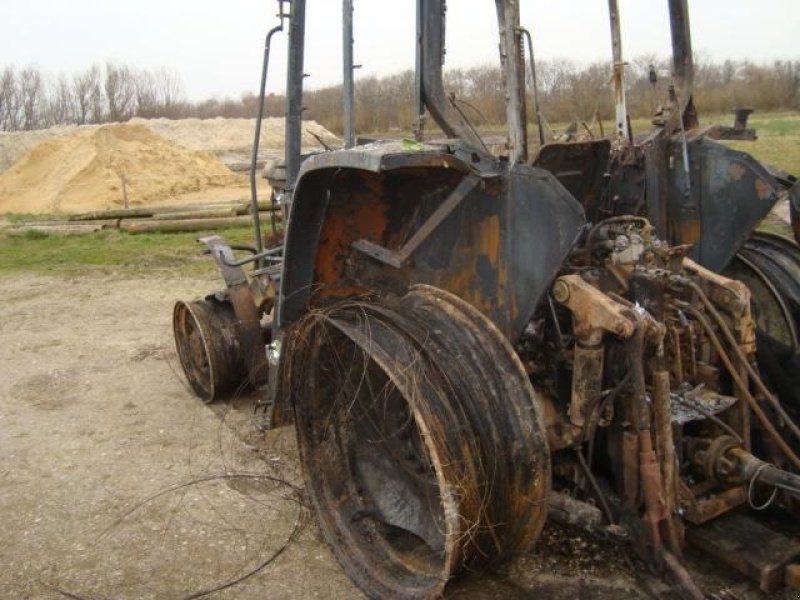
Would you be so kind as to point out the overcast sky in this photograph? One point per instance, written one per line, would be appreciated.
(216, 46)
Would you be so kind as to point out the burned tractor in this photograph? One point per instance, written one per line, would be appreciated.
(467, 343)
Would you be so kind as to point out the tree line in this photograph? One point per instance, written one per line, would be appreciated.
(568, 91)
(99, 94)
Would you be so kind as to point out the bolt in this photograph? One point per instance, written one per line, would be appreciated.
(561, 291)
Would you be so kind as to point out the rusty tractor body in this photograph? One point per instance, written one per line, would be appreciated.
(466, 343)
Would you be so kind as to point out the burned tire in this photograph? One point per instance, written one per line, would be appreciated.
(206, 340)
(420, 437)
(770, 266)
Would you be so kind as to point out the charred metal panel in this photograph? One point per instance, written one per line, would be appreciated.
(544, 221)
(729, 194)
(580, 167)
(498, 248)
(308, 211)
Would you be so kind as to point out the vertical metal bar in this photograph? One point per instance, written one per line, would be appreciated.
(347, 81)
(514, 78)
(294, 93)
(535, 85)
(440, 107)
(621, 109)
(419, 99)
(257, 134)
(682, 60)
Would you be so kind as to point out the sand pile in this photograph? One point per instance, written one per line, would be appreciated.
(234, 136)
(15, 144)
(230, 139)
(95, 168)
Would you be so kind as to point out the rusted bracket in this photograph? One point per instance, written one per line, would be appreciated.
(222, 253)
(251, 336)
(593, 311)
(397, 258)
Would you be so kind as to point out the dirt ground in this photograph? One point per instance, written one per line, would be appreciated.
(115, 482)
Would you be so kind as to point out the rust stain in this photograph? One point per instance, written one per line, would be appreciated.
(763, 189)
(330, 245)
(489, 239)
(689, 231)
(736, 171)
(345, 222)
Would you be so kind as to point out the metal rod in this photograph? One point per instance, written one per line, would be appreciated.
(535, 85)
(294, 94)
(257, 134)
(431, 23)
(419, 97)
(682, 61)
(348, 90)
(597, 491)
(513, 65)
(742, 386)
(618, 79)
(726, 332)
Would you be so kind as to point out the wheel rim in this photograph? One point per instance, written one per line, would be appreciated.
(207, 346)
(420, 439)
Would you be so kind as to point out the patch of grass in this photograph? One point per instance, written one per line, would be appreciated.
(111, 252)
(778, 141)
(778, 124)
(779, 151)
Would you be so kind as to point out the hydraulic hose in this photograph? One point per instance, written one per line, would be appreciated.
(743, 359)
(762, 417)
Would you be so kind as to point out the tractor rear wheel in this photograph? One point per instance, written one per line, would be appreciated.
(421, 440)
(770, 266)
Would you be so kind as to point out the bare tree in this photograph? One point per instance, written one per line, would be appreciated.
(60, 105)
(120, 89)
(31, 91)
(88, 96)
(170, 91)
(147, 101)
(9, 105)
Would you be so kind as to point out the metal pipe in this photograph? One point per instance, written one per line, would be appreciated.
(513, 64)
(623, 132)
(257, 135)
(431, 23)
(419, 94)
(294, 94)
(790, 424)
(348, 85)
(742, 386)
(682, 61)
(535, 85)
(665, 442)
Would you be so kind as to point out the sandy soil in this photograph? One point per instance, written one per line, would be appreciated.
(95, 420)
(115, 482)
